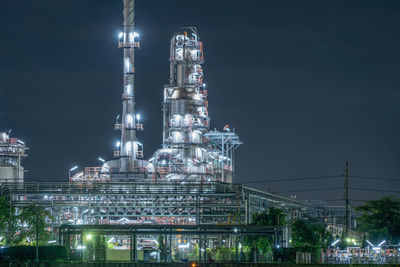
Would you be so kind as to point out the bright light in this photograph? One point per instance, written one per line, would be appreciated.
(52, 241)
(138, 117)
(348, 240)
(112, 239)
(370, 243)
(1, 238)
(73, 168)
(88, 236)
(128, 147)
(120, 35)
(129, 119)
(80, 247)
(22, 143)
(184, 245)
(334, 243)
(118, 144)
(376, 248)
(135, 34)
(277, 246)
(380, 244)
(101, 159)
(235, 230)
(28, 239)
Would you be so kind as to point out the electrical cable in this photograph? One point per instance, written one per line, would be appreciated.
(290, 179)
(374, 190)
(375, 178)
(310, 190)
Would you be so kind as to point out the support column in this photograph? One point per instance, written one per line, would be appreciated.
(237, 247)
(205, 249)
(200, 245)
(131, 248)
(170, 248)
(134, 259)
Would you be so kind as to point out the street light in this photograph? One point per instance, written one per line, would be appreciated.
(101, 159)
(71, 170)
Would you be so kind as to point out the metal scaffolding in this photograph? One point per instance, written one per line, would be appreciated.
(223, 144)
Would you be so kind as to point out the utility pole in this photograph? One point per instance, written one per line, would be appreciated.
(347, 200)
(37, 235)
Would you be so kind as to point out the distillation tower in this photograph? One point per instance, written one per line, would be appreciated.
(187, 154)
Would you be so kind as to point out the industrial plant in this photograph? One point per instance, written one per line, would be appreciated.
(185, 192)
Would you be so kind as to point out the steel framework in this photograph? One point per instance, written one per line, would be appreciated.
(149, 203)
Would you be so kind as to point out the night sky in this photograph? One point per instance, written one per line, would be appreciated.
(306, 84)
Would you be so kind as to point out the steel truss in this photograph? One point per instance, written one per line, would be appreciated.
(148, 203)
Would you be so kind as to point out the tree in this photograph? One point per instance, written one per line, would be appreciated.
(308, 235)
(27, 224)
(264, 244)
(7, 221)
(274, 216)
(380, 219)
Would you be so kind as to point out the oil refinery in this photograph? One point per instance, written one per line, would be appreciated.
(188, 182)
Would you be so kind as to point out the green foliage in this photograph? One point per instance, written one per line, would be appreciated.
(223, 254)
(274, 216)
(380, 219)
(26, 221)
(310, 236)
(95, 247)
(262, 245)
(286, 254)
(17, 228)
(7, 221)
(29, 253)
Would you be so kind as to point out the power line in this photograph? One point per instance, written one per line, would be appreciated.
(374, 190)
(337, 188)
(375, 178)
(310, 190)
(291, 179)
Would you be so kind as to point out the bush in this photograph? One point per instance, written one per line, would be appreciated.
(29, 253)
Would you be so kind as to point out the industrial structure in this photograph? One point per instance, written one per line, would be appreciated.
(12, 151)
(190, 151)
(129, 165)
(189, 181)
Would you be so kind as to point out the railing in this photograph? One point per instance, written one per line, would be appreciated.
(139, 126)
(139, 154)
(118, 126)
(128, 44)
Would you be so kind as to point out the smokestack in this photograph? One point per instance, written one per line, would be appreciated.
(129, 40)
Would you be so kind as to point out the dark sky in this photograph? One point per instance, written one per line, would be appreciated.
(307, 84)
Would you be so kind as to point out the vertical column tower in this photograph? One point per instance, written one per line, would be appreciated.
(130, 149)
(184, 156)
